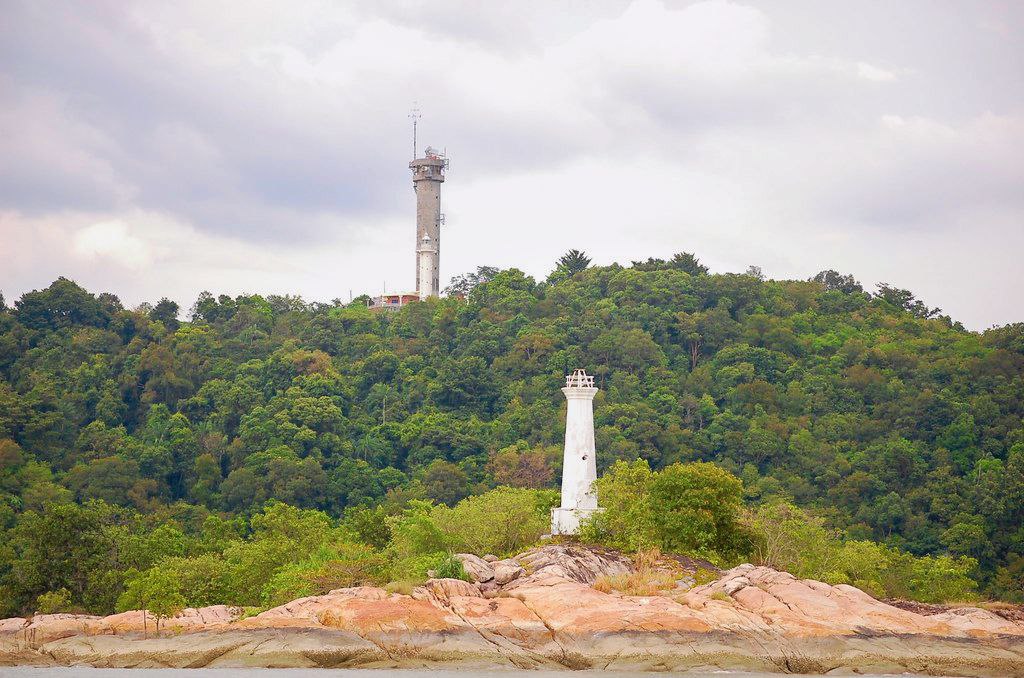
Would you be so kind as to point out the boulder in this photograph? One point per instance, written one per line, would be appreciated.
(444, 590)
(506, 571)
(733, 585)
(45, 627)
(13, 624)
(310, 610)
(975, 621)
(490, 589)
(807, 607)
(574, 563)
(478, 569)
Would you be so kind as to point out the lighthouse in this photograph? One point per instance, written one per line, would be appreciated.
(579, 466)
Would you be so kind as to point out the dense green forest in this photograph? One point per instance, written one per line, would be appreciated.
(267, 438)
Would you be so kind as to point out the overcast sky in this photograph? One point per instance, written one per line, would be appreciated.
(160, 149)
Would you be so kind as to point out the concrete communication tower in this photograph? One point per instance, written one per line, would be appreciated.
(427, 177)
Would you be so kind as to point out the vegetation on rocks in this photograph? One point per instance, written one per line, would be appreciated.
(266, 446)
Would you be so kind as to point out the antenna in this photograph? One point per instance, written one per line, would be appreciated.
(415, 115)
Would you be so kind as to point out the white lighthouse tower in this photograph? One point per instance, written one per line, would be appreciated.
(579, 467)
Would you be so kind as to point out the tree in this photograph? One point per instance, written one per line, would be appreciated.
(109, 479)
(462, 285)
(835, 281)
(444, 482)
(905, 300)
(166, 312)
(892, 425)
(281, 535)
(633, 350)
(156, 591)
(573, 262)
(63, 304)
(686, 261)
(465, 383)
(518, 467)
(78, 548)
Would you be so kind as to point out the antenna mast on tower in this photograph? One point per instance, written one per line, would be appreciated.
(415, 115)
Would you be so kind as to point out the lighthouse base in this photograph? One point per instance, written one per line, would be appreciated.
(567, 520)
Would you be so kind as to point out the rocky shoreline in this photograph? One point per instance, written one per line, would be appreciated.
(541, 610)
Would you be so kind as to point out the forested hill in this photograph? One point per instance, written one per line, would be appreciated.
(870, 410)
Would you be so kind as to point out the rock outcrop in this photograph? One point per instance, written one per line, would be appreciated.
(541, 610)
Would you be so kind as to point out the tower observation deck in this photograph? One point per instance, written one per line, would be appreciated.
(427, 177)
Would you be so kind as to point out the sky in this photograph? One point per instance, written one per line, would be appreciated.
(156, 149)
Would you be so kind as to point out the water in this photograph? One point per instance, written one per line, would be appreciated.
(84, 672)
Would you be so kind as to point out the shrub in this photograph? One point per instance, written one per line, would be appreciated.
(450, 567)
(685, 508)
(1008, 583)
(414, 568)
(696, 510)
(787, 538)
(339, 566)
(503, 521)
(887, 572)
(415, 532)
(52, 602)
(627, 521)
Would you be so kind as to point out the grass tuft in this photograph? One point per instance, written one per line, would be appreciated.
(403, 587)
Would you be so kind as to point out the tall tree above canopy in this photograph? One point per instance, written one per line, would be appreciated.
(63, 304)
(166, 311)
(835, 281)
(686, 261)
(573, 262)
(905, 300)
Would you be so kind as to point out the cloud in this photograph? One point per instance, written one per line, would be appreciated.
(874, 73)
(244, 147)
(112, 241)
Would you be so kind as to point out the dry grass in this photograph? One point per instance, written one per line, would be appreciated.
(403, 587)
(637, 583)
(649, 577)
(1010, 611)
(996, 605)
